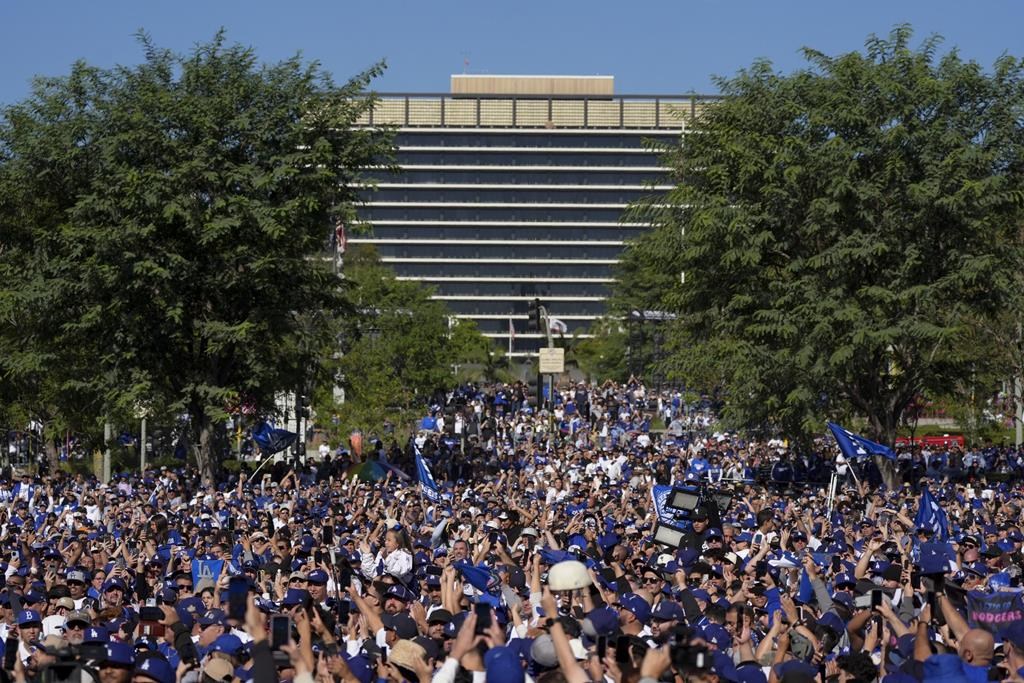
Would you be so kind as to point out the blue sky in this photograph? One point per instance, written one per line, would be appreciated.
(650, 47)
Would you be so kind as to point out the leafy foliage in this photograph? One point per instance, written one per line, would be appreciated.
(839, 230)
(399, 348)
(156, 228)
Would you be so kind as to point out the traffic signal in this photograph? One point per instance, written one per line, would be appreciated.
(302, 405)
(533, 322)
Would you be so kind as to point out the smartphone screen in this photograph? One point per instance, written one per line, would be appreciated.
(328, 535)
(876, 599)
(493, 537)
(280, 630)
(483, 618)
(758, 538)
(318, 557)
(915, 580)
(238, 597)
(602, 646)
(622, 650)
(837, 564)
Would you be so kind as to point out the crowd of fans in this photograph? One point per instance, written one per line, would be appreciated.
(536, 560)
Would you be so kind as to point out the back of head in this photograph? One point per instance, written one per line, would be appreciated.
(977, 647)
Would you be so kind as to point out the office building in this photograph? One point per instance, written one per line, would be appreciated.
(514, 188)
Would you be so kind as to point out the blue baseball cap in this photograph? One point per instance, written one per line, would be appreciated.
(29, 616)
(119, 654)
(156, 668)
(295, 596)
(667, 610)
(633, 603)
(228, 643)
(318, 576)
(211, 617)
(96, 634)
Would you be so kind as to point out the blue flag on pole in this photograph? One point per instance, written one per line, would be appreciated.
(856, 446)
(930, 515)
(270, 440)
(428, 487)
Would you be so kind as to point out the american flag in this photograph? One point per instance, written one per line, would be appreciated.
(340, 240)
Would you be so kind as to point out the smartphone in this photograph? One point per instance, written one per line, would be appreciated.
(493, 537)
(433, 570)
(318, 557)
(915, 580)
(483, 618)
(10, 653)
(837, 564)
(383, 655)
(758, 538)
(280, 630)
(328, 535)
(876, 599)
(602, 646)
(622, 650)
(238, 597)
(231, 522)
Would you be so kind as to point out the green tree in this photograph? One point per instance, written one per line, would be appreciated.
(399, 348)
(832, 233)
(157, 224)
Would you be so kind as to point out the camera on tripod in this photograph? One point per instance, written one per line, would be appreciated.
(684, 502)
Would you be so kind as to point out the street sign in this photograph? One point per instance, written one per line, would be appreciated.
(552, 361)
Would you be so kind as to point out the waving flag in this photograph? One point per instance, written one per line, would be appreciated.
(930, 515)
(270, 440)
(428, 487)
(856, 446)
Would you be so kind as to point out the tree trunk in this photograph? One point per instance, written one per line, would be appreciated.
(51, 456)
(204, 454)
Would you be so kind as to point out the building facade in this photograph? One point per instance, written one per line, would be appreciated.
(514, 188)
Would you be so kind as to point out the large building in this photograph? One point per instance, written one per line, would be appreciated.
(514, 188)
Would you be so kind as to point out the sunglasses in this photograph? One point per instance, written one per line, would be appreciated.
(184, 586)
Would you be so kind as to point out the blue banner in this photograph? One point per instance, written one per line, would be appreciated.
(206, 569)
(994, 612)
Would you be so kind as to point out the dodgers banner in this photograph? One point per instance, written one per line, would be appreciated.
(994, 612)
(208, 570)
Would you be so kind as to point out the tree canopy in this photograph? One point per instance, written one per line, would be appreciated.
(157, 224)
(835, 234)
(398, 349)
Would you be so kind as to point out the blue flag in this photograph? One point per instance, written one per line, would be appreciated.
(856, 446)
(270, 440)
(479, 578)
(428, 487)
(930, 515)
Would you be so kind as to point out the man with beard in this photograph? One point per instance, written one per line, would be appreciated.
(75, 625)
(665, 616)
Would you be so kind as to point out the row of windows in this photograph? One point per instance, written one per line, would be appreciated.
(483, 157)
(509, 307)
(497, 290)
(519, 250)
(569, 176)
(485, 138)
(581, 269)
(500, 325)
(539, 195)
(526, 231)
(510, 212)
